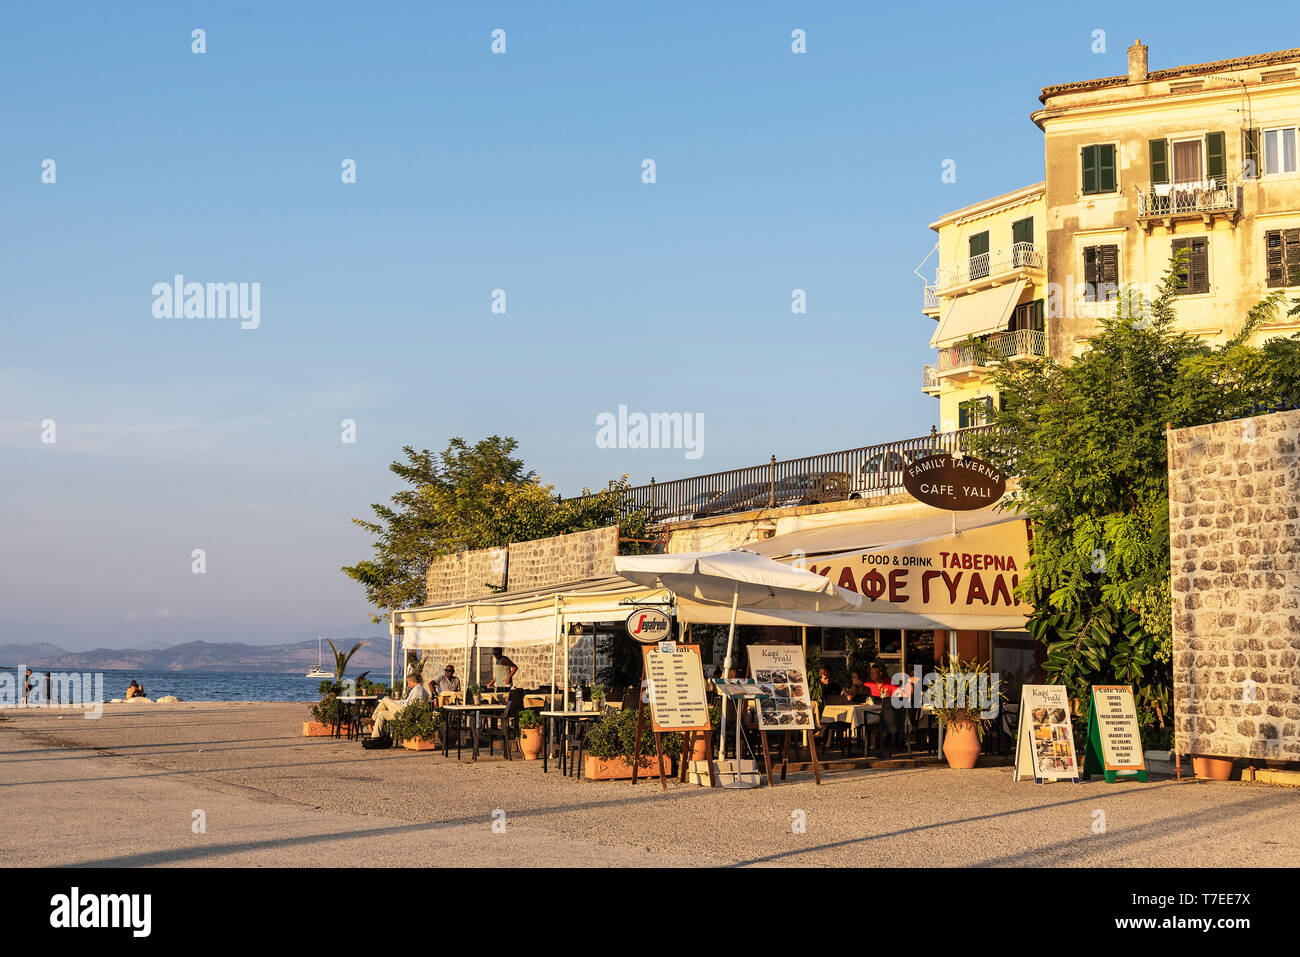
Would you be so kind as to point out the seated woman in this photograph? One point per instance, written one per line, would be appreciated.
(135, 690)
(857, 692)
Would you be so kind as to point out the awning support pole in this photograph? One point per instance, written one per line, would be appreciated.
(726, 676)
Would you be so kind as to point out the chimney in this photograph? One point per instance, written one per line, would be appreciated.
(1137, 62)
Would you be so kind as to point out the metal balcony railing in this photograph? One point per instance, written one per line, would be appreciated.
(1188, 198)
(929, 297)
(929, 377)
(1000, 345)
(991, 264)
(869, 471)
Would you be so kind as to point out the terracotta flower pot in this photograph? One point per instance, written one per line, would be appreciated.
(314, 729)
(700, 748)
(1211, 768)
(419, 744)
(614, 769)
(961, 745)
(530, 741)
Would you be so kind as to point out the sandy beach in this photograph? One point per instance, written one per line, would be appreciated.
(124, 790)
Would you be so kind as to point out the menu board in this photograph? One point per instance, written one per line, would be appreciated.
(1045, 742)
(1114, 743)
(780, 673)
(675, 680)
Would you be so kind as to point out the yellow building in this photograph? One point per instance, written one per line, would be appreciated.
(1202, 157)
(990, 286)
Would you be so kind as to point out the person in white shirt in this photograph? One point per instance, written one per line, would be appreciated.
(447, 682)
(415, 691)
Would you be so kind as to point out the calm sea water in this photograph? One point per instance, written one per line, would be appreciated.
(211, 685)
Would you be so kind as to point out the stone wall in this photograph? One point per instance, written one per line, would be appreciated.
(564, 558)
(466, 575)
(548, 561)
(1234, 490)
(534, 663)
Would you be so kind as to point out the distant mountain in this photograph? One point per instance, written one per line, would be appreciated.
(200, 656)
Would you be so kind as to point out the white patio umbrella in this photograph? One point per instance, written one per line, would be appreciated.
(742, 579)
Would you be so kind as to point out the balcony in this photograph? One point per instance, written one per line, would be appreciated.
(966, 359)
(930, 300)
(1166, 203)
(1018, 261)
(930, 380)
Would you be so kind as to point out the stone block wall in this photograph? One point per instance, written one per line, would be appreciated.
(548, 561)
(534, 663)
(1234, 504)
(563, 558)
(466, 575)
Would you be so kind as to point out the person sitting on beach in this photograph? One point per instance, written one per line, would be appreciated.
(135, 690)
(503, 671)
(415, 691)
(447, 682)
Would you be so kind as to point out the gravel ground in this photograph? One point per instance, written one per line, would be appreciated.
(123, 790)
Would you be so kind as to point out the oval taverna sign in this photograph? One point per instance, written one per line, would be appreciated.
(955, 484)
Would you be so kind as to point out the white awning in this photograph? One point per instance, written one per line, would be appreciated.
(425, 637)
(976, 314)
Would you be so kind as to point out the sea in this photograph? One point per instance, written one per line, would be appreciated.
(210, 685)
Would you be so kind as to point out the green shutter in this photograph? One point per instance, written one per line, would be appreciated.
(1274, 258)
(1216, 158)
(1106, 168)
(1250, 154)
(1160, 161)
(1089, 169)
(1022, 231)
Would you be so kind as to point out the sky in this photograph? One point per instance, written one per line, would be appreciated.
(475, 171)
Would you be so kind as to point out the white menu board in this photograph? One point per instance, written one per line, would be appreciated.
(1045, 742)
(1117, 723)
(675, 683)
(780, 673)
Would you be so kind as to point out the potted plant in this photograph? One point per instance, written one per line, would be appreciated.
(530, 734)
(416, 726)
(474, 694)
(326, 712)
(611, 742)
(599, 691)
(964, 720)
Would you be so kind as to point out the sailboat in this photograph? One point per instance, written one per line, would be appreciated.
(318, 671)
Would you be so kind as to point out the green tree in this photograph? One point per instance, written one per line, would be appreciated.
(468, 497)
(1086, 442)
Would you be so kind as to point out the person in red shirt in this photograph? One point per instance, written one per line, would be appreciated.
(878, 685)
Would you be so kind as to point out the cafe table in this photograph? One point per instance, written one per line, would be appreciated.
(565, 718)
(461, 711)
(354, 703)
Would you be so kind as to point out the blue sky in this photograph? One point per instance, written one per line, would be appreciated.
(475, 172)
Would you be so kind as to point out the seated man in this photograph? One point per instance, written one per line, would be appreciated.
(879, 685)
(447, 682)
(415, 691)
(135, 690)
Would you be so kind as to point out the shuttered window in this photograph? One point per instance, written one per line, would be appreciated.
(1250, 154)
(973, 412)
(1022, 230)
(1159, 150)
(1216, 159)
(1027, 315)
(979, 255)
(1282, 255)
(1099, 169)
(1194, 276)
(1100, 273)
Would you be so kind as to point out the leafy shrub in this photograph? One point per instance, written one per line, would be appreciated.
(529, 719)
(613, 735)
(419, 719)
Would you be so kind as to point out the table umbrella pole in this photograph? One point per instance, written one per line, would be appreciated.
(726, 676)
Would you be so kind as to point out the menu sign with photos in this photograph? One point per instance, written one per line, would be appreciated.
(676, 683)
(1114, 742)
(780, 673)
(1045, 740)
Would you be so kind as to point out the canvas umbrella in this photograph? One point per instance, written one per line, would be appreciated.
(741, 579)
